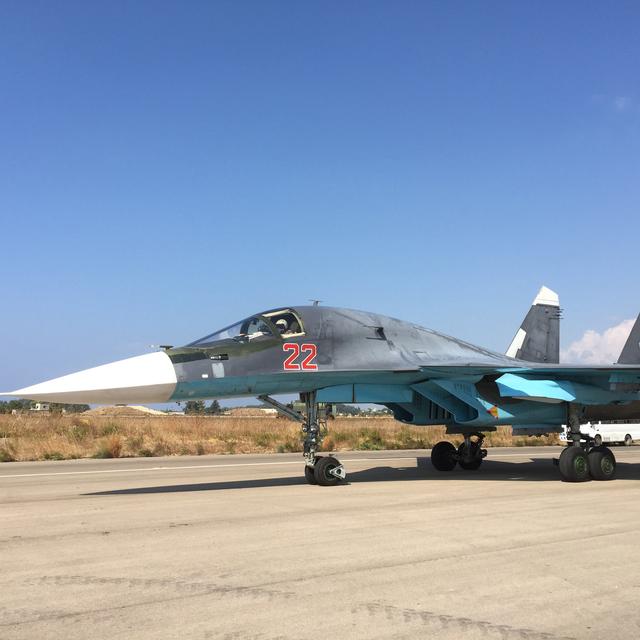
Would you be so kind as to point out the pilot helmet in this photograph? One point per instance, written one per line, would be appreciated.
(282, 325)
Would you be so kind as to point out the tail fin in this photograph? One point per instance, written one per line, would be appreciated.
(538, 338)
(630, 353)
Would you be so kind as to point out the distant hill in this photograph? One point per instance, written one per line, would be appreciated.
(251, 412)
(128, 411)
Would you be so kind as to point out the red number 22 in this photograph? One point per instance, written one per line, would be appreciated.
(307, 363)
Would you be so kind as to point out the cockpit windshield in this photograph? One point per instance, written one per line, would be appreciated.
(246, 331)
(286, 322)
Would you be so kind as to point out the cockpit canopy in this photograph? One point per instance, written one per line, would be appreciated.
(283, 322)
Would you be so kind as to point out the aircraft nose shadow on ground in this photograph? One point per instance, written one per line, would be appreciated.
(536, 470)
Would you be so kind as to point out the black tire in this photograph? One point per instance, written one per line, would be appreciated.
(309, 475)
(476, 460)
(573, 464)
(443, 456)
(322, 472)
(602, 463)
(628, 440)
(597, 440)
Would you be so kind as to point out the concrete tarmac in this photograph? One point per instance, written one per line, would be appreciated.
(237, 547)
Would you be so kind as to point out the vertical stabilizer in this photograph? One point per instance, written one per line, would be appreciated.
(538, 338)
(630, 353)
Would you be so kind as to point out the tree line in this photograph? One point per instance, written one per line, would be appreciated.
(354, 410)
(198, 407)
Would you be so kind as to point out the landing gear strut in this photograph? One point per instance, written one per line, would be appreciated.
(470, 452)
(469, 455)
(583, 458)
(325, 471)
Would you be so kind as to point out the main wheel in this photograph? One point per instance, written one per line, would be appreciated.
(476, 457)
(322, 471)
(597, 440)
(602, 463)
(443, 456)
(628, 440)
(573, 464)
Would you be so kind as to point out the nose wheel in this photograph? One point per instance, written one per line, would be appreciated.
(325, 471)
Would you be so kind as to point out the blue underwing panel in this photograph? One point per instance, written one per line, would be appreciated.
(336, 393)
(382, 393)
(376, 393)
(514, 386)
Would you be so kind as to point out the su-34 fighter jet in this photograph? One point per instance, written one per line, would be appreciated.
(330, 355)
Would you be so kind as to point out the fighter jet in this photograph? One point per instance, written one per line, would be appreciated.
(334, 355)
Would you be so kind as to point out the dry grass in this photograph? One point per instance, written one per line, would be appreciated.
(60, 437)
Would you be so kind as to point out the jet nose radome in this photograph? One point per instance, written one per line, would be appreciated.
(147, 378)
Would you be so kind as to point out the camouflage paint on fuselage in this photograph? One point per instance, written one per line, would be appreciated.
(423, 376)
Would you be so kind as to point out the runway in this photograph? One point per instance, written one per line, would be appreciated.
(237, 547)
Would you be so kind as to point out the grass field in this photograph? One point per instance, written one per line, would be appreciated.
(60, 437)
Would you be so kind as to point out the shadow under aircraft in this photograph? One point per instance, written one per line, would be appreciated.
(535, 470)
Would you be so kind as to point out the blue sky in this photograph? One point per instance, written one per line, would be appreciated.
(167, 168)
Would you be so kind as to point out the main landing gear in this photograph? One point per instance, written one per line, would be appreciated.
(469, 455)
(584, 458)
(325, 471)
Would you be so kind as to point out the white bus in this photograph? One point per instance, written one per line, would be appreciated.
(608, 431)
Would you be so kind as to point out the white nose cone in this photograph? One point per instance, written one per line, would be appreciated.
(147, 378)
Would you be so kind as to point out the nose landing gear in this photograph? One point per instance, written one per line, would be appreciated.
(325, 471)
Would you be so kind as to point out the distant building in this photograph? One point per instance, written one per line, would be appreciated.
(39, 406)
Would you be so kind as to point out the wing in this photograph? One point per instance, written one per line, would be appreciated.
(485, 395)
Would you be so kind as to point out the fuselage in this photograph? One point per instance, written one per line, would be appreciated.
(333, 346)
(423, 376)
